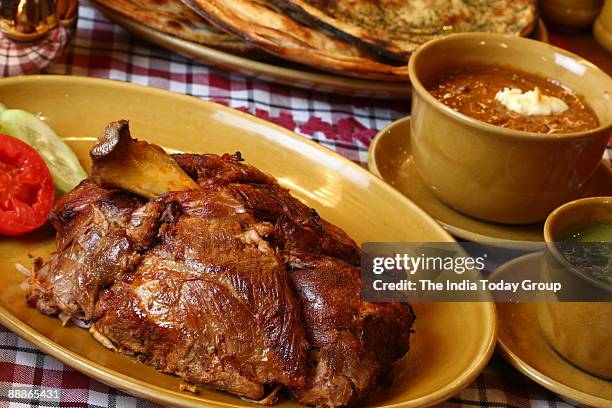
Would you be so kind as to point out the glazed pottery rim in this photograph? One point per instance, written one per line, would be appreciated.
(550, 240)
(418, 87)
(524, 365)
(374, 165)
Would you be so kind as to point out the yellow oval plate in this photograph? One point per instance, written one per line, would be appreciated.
(453, 342)
(275, 70)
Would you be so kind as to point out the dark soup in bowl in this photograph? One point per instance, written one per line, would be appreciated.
(513, 99)
(589, 248)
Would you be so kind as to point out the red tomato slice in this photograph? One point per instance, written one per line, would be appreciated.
(26, 188)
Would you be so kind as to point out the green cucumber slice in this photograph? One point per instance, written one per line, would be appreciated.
(63, 164)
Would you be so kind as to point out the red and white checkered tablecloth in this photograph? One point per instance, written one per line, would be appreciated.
(104, 50)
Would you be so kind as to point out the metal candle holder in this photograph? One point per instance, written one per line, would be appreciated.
(34, 33)
(30, 20)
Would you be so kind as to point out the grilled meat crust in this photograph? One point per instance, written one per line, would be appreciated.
(236, 285)
(297, 226)
(353, 343)
(210, 169)
(264, 24)
(93, 250)
(395, 28)
(211, 301)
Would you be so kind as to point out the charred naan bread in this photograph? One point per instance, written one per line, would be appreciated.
(395, 28)
(174, 18)
(264, 24)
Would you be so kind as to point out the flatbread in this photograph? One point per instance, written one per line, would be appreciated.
(175, 18)
(264, 24)
(395, 28)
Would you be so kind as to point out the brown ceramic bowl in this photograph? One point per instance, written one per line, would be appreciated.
(602, 29)
(570, 13)
(494, 173)
(581, 332)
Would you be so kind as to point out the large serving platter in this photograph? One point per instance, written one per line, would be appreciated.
(273, 69)
(453, 342)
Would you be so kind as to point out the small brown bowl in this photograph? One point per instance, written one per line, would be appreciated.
(602, 29)
(575, 14)
(494, 173)
(581, 332)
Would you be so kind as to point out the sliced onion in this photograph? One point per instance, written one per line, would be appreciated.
(80, 323)
(64, 317)
(23, 269)
(105, 341)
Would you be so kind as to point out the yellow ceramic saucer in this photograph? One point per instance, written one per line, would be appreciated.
(390, 158)
(522, 344)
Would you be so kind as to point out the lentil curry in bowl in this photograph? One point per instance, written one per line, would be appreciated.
(513, 99)
(506, 129)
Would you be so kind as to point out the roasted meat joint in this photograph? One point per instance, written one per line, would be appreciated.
(206, 268)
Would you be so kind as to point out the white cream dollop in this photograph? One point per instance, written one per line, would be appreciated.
(531, 102)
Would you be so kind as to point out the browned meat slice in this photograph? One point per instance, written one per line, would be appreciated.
(211, 301)
(211, 169)
(234, 283)
(297, 225)
(93, 250)
(353, 343)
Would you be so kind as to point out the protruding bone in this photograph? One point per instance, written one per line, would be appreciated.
(136, 166)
